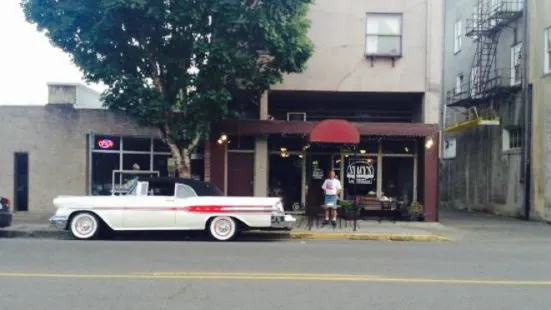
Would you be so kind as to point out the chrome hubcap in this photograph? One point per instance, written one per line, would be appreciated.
(84, 225)
(223, 227)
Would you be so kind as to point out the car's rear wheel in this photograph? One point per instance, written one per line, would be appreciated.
(223, 228)
(84, 226)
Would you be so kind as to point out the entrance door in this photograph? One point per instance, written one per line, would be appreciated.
(317, 171)
(240, 174)
(286, 180)
(21, 181)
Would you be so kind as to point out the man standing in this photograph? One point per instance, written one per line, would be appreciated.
(332, 188)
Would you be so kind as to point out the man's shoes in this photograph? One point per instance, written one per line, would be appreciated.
(334, 223)
(325, 222)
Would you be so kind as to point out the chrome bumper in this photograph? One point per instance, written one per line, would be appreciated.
(283, 221)
(59, 222)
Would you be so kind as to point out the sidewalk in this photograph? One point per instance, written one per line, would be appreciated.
(453, 226)
(366, 230)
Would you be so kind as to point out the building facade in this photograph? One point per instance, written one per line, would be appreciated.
(493, 84)
(376, 65)
(376, 68)
(72, 146)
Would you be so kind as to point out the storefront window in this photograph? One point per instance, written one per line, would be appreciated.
(368, 146)
(398, 146)
(102, 166)
(136, 162)
(360, 175)
(398, 177)
(161, 164)
(136, 144)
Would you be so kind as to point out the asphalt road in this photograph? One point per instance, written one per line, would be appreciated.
(61, 274)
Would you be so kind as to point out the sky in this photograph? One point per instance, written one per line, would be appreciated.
(28, 61)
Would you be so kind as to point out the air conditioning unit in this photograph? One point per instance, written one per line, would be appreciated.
(296, 116)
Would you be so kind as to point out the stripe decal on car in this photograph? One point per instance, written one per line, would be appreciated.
(197, 209)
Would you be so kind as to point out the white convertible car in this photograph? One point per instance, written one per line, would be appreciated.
(169, 204)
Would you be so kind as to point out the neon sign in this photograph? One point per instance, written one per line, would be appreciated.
(105, 143)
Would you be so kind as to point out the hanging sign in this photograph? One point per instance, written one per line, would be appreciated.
(360, 172)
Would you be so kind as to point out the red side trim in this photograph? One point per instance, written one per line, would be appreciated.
(198, 209)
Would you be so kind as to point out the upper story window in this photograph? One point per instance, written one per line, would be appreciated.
(458, 34)
(512, 138)
(516, 64)
(383, 34)
(547, 44)
(458, 83)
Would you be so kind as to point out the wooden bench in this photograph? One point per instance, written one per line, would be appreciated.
(372, 205)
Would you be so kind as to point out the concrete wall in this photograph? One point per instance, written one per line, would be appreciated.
(338, 64)
(482, 176)
(540, 19)
(55, 138)
(80, 96)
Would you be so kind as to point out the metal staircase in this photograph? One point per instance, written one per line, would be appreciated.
(476, 99)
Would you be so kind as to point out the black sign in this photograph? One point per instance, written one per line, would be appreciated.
(360, 172)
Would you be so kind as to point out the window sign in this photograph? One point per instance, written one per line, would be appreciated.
(317, 172)
(106, 144)
(360, 172)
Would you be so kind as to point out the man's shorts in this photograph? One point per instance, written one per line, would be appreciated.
(331, 202)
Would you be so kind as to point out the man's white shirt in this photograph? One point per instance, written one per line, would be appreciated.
(331, 186)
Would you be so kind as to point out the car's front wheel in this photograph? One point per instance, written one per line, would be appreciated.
(223, 228)
(84, 226)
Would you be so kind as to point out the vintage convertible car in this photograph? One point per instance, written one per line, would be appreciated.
(169, 204)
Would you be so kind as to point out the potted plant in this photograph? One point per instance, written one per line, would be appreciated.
(415, 211)
(347, 208)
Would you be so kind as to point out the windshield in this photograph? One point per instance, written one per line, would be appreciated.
(131, 187)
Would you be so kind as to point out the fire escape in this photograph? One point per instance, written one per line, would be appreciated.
(476, 99)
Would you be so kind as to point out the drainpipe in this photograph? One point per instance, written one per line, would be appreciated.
(443, 103)
(527, 124)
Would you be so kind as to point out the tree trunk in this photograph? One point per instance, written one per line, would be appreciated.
(184, 166)
(182, 158)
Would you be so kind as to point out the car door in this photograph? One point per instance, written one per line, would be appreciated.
(185, 198)
(147, 211)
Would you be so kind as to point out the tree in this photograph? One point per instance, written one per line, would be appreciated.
(177, 64)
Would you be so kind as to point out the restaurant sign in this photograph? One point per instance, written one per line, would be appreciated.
(360, 172)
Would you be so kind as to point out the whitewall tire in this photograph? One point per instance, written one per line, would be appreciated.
(84, 226)
(223, 228)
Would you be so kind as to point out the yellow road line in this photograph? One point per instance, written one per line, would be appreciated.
(275, 276)
(255, 274)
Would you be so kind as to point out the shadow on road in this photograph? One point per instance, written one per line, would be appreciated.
(183, 236)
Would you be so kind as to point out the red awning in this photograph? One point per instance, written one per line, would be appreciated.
(334, 131)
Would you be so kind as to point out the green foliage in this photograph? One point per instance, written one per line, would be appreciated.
(143, 50)
(346, 205)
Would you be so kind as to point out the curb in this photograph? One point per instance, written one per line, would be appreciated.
(252, 235)
(366, 237)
